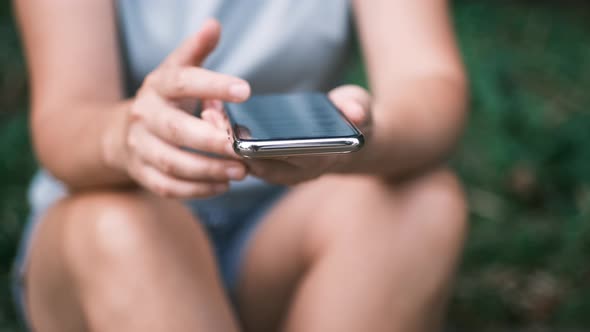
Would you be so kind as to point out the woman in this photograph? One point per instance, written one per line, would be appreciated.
(126, 224)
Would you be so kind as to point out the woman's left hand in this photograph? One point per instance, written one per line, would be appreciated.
(354, 102)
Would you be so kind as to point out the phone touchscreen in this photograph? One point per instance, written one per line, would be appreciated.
(288, 116)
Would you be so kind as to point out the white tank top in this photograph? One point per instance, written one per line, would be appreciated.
(277, 45)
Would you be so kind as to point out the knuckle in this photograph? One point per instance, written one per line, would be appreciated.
(165, 164)
(174, 129)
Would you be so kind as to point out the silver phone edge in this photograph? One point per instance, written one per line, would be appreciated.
(297, 147)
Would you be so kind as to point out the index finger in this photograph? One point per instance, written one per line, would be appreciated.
(194, 50)
(195, 82)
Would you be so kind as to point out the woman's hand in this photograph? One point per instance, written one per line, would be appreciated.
(158, 128)
(354, 102)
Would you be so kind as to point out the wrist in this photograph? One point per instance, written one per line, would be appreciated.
(113, 142)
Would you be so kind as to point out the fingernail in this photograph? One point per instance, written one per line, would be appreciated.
(239, 91)
(235, 173)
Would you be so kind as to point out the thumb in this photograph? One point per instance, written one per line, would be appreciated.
(354, 102)
(195, 49)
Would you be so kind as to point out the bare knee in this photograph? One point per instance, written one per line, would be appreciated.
(77, 244)
(366, 209)
(438, 201)
(121, 251)
(103, 228)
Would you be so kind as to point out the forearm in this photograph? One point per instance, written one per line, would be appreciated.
(79, 144)
(415, 126)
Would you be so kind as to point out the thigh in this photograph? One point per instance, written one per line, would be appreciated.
(121, 259)
(408, 222)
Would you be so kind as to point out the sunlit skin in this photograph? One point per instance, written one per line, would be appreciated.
(363, 242)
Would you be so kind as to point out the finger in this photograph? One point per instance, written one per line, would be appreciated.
(215, 104)
(194, 50)
(207, 116)
(179, 128)
(217, 118)
(167, 186)
(211, 110)
(353, 101)
(220, 116)
(194, 82)
(352, 109)
(185, 165)
(213, 117)
(354, 92)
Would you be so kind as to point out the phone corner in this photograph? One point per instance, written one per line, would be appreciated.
(244, 148)
(357, 142)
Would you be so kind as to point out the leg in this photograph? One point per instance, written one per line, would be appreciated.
(355, 254)
(124, 262)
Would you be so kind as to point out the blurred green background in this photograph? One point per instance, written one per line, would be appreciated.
(525, 161)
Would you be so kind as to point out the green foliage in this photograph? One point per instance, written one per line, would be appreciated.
(17, 163)
(524, 160)
(16, 168)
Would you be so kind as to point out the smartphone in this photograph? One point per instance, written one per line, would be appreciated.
(280, 125)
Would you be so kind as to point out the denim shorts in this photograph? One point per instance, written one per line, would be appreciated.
(229, 220)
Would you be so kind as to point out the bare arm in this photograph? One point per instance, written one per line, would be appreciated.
(87, 135)
(76, 96)
(418, 84)
(415, 116)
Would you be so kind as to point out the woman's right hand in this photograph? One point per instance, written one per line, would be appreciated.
(157, 127)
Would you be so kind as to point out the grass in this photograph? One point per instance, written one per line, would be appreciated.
(524, 160)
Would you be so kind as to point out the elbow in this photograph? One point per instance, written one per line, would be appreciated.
(46, 142)
(430, 114)
(453, 110)
(448, 116)
(459, 83)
